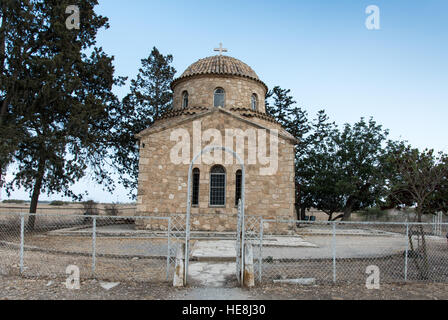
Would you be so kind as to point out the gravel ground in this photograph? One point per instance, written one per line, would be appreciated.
(410, 291)
(16, 288)
(44, 265)
(126, 247)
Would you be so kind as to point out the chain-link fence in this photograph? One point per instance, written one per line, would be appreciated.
(144, 249)
(102, 247)
(346, 251)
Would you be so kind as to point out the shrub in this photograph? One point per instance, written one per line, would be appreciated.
(112, 209)
(90, 208)
(269, 259)
(14, 201)
(57, 203)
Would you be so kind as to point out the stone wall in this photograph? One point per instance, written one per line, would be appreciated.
(238, 90)
(163, 184)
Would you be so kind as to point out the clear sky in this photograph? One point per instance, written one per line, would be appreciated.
(321, 50)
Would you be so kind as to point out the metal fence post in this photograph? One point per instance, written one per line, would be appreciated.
(333, 246)
(243, 249)
(93, 245)
(187, 248)
(260, 253)
(22, 241)
(406, 254)
(168, 256)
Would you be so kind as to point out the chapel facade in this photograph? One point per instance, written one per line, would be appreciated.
(217, 101)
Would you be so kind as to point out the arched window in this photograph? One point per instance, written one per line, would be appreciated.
(185, 99)
(218, 186)
(195, 193)
(254, 102)
(238, 181)
(219, 97)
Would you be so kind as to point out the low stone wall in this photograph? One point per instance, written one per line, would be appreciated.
(214, 223)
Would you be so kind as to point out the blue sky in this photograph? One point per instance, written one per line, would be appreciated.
(321, 50)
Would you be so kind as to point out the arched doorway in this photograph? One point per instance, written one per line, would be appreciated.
(240, 228)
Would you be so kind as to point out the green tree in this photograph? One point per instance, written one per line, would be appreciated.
(420, 181)
(343, 169)
(16, 33)
(152, 87)
(281, 105)
(359, 154)
(336, 170)
(318, 172)
(66, 107)
(150, 96)
(399, 198)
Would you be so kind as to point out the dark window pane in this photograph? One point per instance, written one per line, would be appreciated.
(254, 102)
(185, 100)
(219, 99)
(238, 180)
(217, 186)
(195, 193)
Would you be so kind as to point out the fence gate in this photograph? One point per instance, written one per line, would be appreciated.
(240, 233)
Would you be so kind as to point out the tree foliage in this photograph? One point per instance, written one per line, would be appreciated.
(419, 180)
(281, 105)
(359, 154)
(60, 96)
(150, 96)
(14, 40)
(337, 170)
(317, 170)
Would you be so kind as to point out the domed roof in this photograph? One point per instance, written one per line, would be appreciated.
(220, 65)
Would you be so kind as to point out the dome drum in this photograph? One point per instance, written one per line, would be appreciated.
(201, 80)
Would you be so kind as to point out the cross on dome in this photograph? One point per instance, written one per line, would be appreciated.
(220, 49)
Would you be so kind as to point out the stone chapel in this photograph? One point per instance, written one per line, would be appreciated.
(217, 101)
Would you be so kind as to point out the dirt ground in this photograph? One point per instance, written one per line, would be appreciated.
(410, 291)
(17, 288)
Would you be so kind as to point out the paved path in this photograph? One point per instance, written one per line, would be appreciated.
(208, 274)
(346, 247)
(195, 293)
(216, 265)
(225, 249)
(209, 271)
(214, 250)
